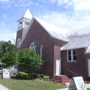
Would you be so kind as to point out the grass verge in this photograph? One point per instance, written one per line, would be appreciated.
(13, 84)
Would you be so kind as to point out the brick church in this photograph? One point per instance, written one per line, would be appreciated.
(64, 54)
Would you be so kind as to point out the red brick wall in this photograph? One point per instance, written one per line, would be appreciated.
(57, 53)
(38, 35)
(87, 57)
(20, 34)
(52, 46)
(79, 67)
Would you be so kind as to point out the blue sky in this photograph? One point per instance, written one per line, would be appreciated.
(67, 14)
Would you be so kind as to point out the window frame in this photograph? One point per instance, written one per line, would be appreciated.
(18, 42)
(72, 56)
(41, 54)
(32, 46)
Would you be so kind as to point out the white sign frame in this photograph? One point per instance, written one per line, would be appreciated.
(6, 73)
(77, 83)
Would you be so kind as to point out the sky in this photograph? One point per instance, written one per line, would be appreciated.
(67, 14)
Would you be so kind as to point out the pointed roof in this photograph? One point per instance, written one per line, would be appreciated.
(27, 14)
(53, 31)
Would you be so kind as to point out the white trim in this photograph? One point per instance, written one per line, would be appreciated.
(88, 67)
(18, 43)
(41, 52)
(26, 31)
(62, 48)
(72, 59)
(32, 46)
(58, 66)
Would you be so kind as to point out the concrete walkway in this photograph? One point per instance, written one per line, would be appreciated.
(87, 86)
(3, 88)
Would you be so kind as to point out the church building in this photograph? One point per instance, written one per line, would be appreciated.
(63, 54)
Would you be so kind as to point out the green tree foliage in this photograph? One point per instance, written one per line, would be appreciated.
(6, 53)
(29, 59)
(6, 47)
(8, 59)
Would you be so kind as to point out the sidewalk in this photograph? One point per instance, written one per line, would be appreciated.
(3, 88)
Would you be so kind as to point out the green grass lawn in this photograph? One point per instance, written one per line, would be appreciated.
(13, 84)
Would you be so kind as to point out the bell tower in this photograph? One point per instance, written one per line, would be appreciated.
(23, 24)
(24, 21)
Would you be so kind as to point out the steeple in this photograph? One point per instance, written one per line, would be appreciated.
(24, 21)
(23, 24)
(27, 14)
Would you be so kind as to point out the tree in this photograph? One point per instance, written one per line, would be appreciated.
(8, 59)
(6, 47)
(29, 59)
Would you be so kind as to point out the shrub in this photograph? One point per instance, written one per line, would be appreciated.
(18, 76)
(22, 75)
(46, 78)
(34, 75)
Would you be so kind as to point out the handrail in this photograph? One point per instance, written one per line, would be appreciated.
(72, 72)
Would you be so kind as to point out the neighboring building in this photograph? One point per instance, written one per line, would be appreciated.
(66, 54)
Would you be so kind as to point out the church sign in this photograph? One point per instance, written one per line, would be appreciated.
(6, 73)
(77, 83)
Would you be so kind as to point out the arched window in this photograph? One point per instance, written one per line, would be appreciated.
(32, 46)
(18, 43)
(41, 54)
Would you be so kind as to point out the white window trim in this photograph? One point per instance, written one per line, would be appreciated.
(18, 43)
(72, 60)
(32, 46)
(41, 54)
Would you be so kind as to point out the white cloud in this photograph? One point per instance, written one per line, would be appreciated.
(6, 34)
(76, 4)
(83, 5)
(4, 15)
(25, 3)
(12, 37)
(4, 0)
(66, 21)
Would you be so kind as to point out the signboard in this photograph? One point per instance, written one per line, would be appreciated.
(6, 73)
(77, 83)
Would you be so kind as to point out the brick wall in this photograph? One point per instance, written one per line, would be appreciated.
(38, 35)
(79, 67)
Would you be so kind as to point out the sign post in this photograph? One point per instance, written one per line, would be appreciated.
(77, 83)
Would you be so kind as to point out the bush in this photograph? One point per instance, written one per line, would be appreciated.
(46, 78)
(22, 75)
(34, 75)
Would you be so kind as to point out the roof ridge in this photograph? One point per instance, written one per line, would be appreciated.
(52, 30)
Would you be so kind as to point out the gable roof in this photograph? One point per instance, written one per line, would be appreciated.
(88, 50)
(78, 39)
(53, 31)
(27, 14)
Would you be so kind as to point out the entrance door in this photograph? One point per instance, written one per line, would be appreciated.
(58, 66)
(88, 67)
